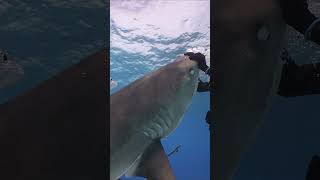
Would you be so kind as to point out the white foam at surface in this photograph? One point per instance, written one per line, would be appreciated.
(147, 27)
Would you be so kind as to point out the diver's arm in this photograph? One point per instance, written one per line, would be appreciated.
(314, 168)
(203, 86)
(313, 32)
(300, 80)
(209, 71)
(296, 13)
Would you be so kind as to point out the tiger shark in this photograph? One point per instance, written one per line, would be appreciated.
(56, 130)
(144, 112)
(248, 36)
(10, 73)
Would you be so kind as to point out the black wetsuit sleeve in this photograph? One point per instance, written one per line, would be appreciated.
(299, 80)
(297, 14)
(209, 71)
(314, 168)
(203, 86)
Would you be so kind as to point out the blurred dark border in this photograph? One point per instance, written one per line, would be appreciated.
(70, 145)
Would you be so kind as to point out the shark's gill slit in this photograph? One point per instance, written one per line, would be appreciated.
(166, 123)
(151, 133)
(167, 117)
(162, 123)
(159, 129)
(146, 133)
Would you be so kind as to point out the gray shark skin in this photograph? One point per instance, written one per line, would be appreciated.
(57, 129)
(10, 73)
(146, 111)
(248, 36)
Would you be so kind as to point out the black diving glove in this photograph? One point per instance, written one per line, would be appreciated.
(199, 58)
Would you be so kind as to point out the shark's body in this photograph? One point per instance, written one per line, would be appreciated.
(143, 113)
(247, 40)
(10, 73)
(57, 129)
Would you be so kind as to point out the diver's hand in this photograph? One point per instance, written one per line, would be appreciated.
(199, 58)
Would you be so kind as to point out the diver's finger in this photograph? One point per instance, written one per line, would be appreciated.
(189, 54)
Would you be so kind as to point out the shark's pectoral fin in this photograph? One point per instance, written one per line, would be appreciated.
(153, 164)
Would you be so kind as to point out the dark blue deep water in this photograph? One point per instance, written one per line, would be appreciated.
(46, 37)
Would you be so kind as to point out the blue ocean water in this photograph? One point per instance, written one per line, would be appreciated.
(146, 35)
(46, 38)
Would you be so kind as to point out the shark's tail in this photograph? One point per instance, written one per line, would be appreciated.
(313, 172)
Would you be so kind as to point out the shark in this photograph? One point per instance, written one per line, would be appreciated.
(143, 113)
(10, 73)
(248, 37)
(57, 129)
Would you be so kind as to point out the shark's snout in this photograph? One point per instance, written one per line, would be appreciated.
(194, 75)
(188, 68)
